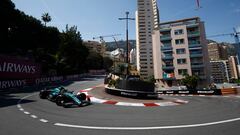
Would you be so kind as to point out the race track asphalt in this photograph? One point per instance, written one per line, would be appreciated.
(210, 115)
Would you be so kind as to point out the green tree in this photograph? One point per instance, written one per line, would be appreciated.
(94, 61)
(46, 18)
(120, 69)
(72, 51)
(107, 63)
(151, 79)
(190, 82)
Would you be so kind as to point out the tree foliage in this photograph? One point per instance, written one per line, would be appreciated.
(190, 82)
(72, 51)
(46, 18)
(107, 63)
(59, 53)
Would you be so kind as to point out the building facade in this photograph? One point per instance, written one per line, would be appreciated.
(217, 51)
(147, 19)
(179, 48)
(132, 56)
(233, 68)
(220, 71)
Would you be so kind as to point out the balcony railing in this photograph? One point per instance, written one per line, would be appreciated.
(196, 54)
(195, 48)
(165, 37)
(164, 29)
(193, 34)
(192, 25)
(166, 47)
(197, 65)
(167, 57)
(168, 67)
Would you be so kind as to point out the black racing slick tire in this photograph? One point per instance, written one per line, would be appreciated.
(88, 99)
(59, 101)
(82, 96)
(42, 94)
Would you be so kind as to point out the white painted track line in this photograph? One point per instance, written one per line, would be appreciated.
(43, 120)
(148, 128)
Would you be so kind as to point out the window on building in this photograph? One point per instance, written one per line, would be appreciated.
(181, 61)
(178, 32)
(182, 71)
(181, 51)
(179, 41)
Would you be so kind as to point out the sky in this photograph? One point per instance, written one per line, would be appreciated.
(95, 18)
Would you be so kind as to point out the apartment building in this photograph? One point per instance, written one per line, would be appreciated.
(233, 67)
(147, 19)
(217, 51)
(179, 48)
(220, 71)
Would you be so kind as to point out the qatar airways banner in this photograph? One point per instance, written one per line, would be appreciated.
(14, 68)
(12, 84)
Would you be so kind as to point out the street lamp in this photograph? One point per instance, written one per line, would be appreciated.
(127, 18)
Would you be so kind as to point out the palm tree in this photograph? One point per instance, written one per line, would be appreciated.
(46, 18)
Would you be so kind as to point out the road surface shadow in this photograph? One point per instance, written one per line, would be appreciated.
(8, 100)
(9, 97)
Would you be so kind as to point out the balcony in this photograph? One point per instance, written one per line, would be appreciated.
(194, 54)
(192, 25)
(197, 65)
(166, 37)
(196, 48)
(165, 29)
(194, 45)
(167, 57)
(167, 67)
(167, 51)
(193, 34)
(166, 47)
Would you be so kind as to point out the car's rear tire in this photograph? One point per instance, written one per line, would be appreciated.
(42, 94)
(88, 99)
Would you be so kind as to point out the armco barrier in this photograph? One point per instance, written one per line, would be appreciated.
(194, 92)
(132, 94)
(149, 95)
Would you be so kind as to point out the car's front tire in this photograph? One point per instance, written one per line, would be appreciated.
(60, 101)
